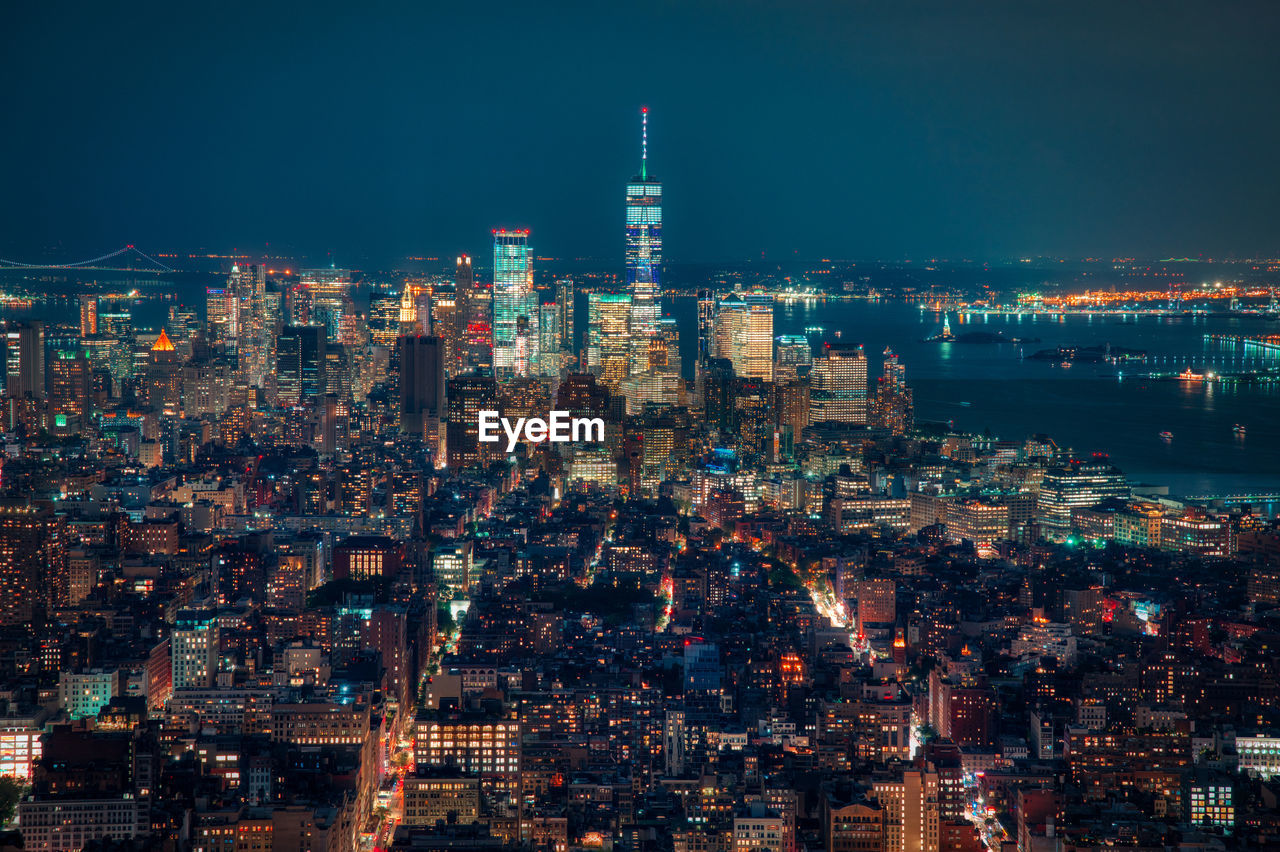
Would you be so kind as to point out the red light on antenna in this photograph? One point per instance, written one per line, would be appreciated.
(644, 109)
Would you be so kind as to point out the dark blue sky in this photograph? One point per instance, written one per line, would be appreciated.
(843, 129)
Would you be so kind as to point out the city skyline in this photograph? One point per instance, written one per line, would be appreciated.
(514, 547)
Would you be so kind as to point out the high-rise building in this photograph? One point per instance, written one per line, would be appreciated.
(608, 337)
(70, 387)
(384, 319)
(515, 305)
(329, 293)
(184, 326)
(88, 315)
(222, 314)
(161, 378)
(911, 811)
(33, 562)
(644, 253)
(301, 359)
(194, 648)
(744, 334)
(445, 325)
(717, 394)
(1077, 484)
(254, 331)
(706, 324)
(892, 407)
(475, 311)
(549, 343)
(422, 387)
(793, 355)
(415, 307)
(24, 360)
(839, 385)
(565, 310)
(467, 396)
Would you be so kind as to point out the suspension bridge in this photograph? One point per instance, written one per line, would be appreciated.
(121, 260)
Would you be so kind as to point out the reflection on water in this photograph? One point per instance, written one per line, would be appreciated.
(1086, 407)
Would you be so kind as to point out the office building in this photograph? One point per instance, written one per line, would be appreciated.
(608, 337)
(24, 360)
(422, 387)
(838, 388)
(302, 360)
(1077, 484)
(793, 356)
(565, 309)
(475, 323)
(33, 562)
(88, 315)
(744, 334)
(516, 349)
(911, 811)
(193, 647)
(467, 396)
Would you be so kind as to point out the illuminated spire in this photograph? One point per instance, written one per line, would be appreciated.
(162, 344)
(644, 142)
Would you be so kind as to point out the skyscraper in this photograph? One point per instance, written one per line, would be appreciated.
(446, 326)
(475, 323)
(468, 395)
(33, 561)
(221, 311)
(422, 403)
(415, 307)
(515, 305)
(88, 315)
(24, 360)
(565, 311)
(549, 340)
(249, 286)
(70, 385)
(162, 376)
(717, 394)
(330, 294)
(891, 407)
(643, 252)
(744, 334)
(608, 338)
(792, 353)
(839, 389)
(301, 375)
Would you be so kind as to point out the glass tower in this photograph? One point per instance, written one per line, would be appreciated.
(644, 252)
(516, 348)
(607, 338)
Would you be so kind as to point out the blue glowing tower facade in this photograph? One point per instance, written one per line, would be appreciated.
(516, 350)
(644, 253)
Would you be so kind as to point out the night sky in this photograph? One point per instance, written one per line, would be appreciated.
(844, 130)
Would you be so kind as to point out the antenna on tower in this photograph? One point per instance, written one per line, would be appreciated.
(644, 142)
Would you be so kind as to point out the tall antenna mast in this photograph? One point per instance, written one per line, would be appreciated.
(644, 142)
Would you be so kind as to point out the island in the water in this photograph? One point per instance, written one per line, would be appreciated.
(1089, 354)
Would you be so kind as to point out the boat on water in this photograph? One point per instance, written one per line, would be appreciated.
(966, 404)
(1166, 436)
(1238, 429)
